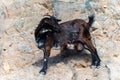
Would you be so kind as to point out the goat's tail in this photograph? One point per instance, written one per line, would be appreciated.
(91, 20)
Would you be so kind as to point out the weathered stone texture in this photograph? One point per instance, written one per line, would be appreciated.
(18, 19)
(20, 59)
(105, 31)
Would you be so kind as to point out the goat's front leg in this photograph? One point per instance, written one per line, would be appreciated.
(64, 51)
(46, 56)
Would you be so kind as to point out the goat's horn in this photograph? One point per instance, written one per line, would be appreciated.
(47, 15)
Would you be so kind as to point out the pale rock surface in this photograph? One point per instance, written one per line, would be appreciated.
(20, 59)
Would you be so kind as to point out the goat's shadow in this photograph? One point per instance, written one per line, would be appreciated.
(57, 59)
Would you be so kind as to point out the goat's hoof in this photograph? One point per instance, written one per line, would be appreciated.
(42, 72)
(96, 64)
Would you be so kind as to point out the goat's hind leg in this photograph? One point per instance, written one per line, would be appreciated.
(95, 58)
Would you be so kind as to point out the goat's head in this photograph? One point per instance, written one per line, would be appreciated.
(52, 23)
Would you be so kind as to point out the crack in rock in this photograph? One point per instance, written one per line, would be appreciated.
(74, 76)
(108, 71)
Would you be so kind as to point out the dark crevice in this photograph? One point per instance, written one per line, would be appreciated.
(109, 72)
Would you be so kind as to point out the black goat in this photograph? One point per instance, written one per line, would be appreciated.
(72, 34)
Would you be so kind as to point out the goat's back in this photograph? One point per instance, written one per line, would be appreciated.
(70, 30)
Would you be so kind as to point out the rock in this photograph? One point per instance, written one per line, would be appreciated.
(22, 47)
(18, 19)
(20, 59)
(70, 1)
(105, 30)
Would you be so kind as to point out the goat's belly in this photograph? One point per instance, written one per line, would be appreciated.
(79, 47)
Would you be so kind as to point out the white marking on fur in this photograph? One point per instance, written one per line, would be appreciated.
(70, 46)
(80, 47)
(40, 43)
(45, 30)
(45, 60)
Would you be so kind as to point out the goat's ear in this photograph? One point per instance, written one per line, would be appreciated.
(58, 20)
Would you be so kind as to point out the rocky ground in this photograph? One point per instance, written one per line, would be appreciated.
(20, 59)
